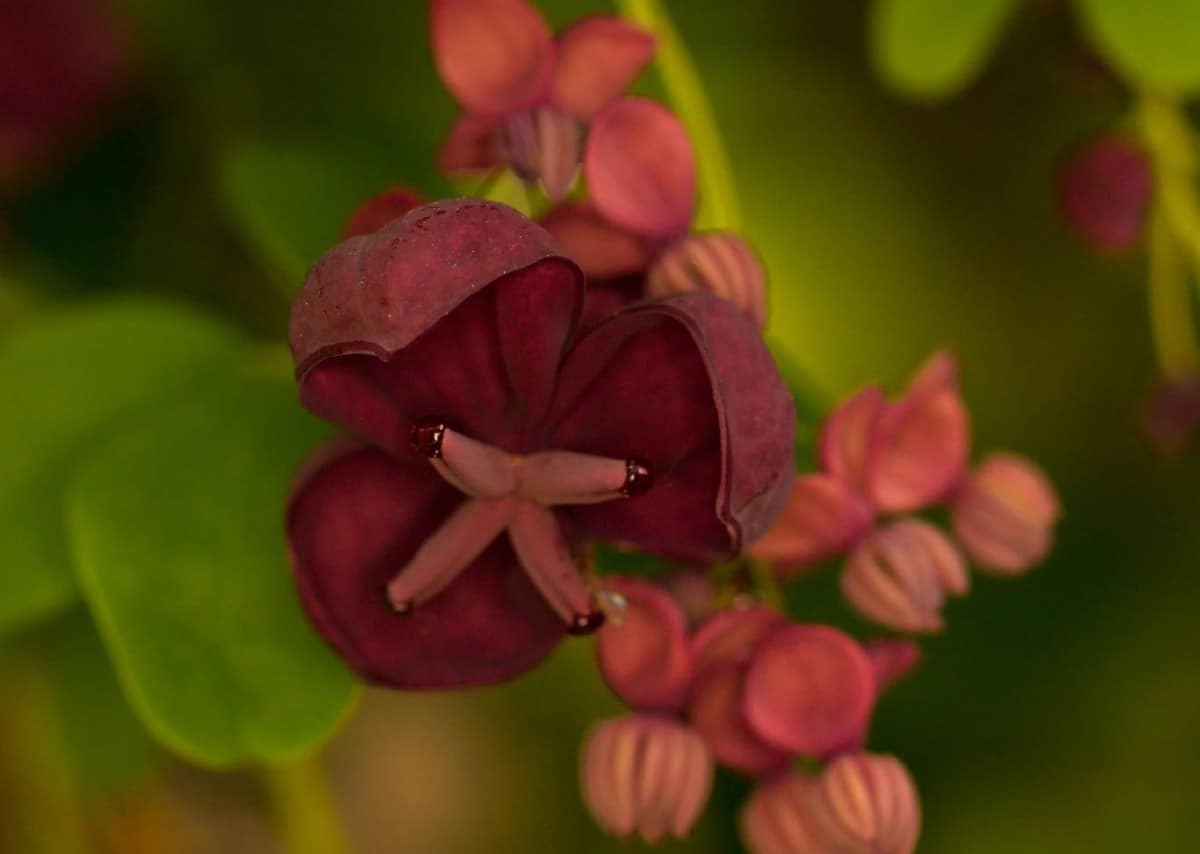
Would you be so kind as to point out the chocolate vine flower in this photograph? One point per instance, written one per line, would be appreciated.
(527, 94)
(491, 439)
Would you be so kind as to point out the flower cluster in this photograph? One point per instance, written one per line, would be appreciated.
(887, 460)
(511, 393)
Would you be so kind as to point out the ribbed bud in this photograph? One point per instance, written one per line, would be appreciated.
(718, 263)
(867, 803)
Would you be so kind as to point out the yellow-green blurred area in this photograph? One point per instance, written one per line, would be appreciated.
(1057, 713)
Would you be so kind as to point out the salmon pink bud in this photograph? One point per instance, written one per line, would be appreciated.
(378, 211)
(1103, 193)
(918, 449)
(493, 437)
(717, 263)
(647, 775)
(778, 818)
(640, 169)
(866, 802)
(899, 576)
(809, 690)
(644, 656)
(823, 517)
(1005, 513)
(893, 659)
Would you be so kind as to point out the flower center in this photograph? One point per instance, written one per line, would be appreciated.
(513, 493)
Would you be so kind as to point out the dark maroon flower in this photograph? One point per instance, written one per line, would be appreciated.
(62, 62)
(526, 94)
(1103, 193)
(491, 438)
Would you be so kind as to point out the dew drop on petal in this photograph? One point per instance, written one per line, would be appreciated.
(427, 435)
(586, 624)
(638, 478)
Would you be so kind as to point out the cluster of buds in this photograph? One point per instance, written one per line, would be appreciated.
(752, 691)
(512, 392)
(881, 463)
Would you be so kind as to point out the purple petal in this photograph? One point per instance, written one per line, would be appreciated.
(598, 58)
(824, 516)
(379, 210)
(474, 144)
(809, 690)
(686, 385)
(495, 56)
(644, 656)
(640, 169)
(600, 248)
(353, 520)
(403, 324)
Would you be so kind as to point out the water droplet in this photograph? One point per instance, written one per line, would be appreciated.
(586, 624)
(638, 477)
(427, 435)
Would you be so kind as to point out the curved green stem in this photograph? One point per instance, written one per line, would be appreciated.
(1170, 303)
(718, 196)
(305, 814)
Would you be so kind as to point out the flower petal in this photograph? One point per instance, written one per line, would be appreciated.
(824, 516)
(379, 210)
(893, 659)
(474, 144)
(494, 56)
(686, 385)
(598, 58)
(387, 330)
(354, 519)
(644, 656)
(600, 248)
(731, 637)
(716, 710)
(809, 690)
(640, 168)
(846, 436)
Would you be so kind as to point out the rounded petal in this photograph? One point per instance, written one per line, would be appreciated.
(356, 516)
(778, 819)
(598, 57)
(379, 210)
(716, 711)
(809, 690)
(718, 263)
(731, 637)
(474, 144)
(640, 169)
(867, 802)
(824, 517)
(644, 656)
(846, 435)
(495, 56)
(600, 248)
(893, 659)
(1005, 515)
(386, 331)
(918, 451)
(686, 385)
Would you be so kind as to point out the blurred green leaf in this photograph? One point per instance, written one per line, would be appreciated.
(1155, 43)
(67, 380)
(107, 745)
(177, 527)
(934, 48)
(292, 202)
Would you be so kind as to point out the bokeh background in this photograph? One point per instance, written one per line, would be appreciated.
(1057, 713)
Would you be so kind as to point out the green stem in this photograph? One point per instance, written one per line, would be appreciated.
(718, 197)
(305, 814)
(1170, 303)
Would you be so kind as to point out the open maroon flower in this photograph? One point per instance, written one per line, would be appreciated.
(491, 438)
(526, 93)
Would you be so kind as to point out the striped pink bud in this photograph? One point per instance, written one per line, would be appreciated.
(867, 803)
(778, 818)
(718, 263)
(899, 576)
(545, 146)
(1005, 514)
(645, 774)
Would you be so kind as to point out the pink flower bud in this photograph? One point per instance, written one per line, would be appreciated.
(892, 659)
(778, 818)
(866, 802)
(1103, 193)
(899, 576)
(644, 655)
(1005, 515)
(645, 774)
(823, 517)
(718, 263)
(716, 710)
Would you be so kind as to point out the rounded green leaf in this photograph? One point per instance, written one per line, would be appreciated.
(934, 48)
(1154, 43)
(177, 529)
(67, 380)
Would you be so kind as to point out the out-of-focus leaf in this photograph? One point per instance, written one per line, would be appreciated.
(934, 48)
(291, 202)
(66, 381)
(107, 745)
(1155, 43)
(177, 528)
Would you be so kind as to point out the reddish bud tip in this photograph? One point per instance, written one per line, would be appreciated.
(1103, 193)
